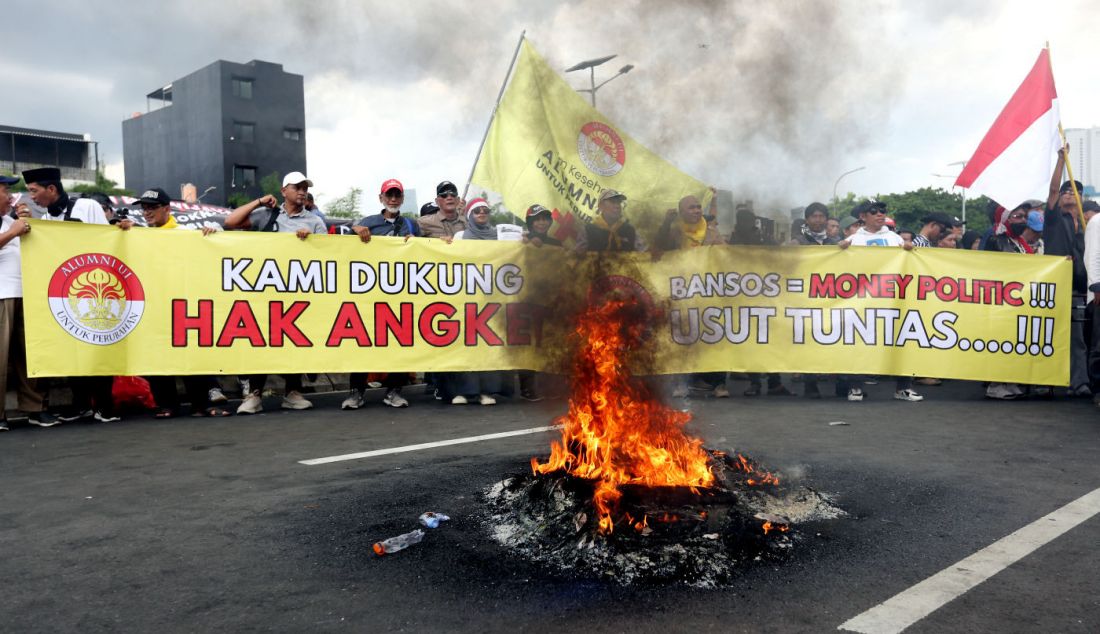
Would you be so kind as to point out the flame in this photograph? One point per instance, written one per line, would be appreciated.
(617, 432)
(768, 527)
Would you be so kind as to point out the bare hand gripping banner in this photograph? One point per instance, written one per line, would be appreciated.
(100, 301)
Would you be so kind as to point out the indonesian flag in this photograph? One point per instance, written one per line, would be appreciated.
(1014, 161)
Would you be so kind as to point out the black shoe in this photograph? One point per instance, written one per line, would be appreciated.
(780, 391)
(4, 425)
(530, 395)
(76, 415)
(811, 391)
(43, 419)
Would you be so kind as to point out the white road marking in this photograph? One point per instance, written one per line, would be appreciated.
(427, 445)
(912, 605)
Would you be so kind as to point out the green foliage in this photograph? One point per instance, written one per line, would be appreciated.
(346, 206)
(272, 184)
(908, 208)
(237, 199)
(498, 213)
(102, 185)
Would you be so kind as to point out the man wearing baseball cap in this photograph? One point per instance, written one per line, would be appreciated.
(610, 231)
(874, 233)
(265, 214)
(448, 221)
(933, 226)
(13, 351)
(389, 221)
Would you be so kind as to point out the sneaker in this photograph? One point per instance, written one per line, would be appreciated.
(1083, 391)
(78, 415)
(721, 392)
(459, 400)
(4, 425)
(681, 391)
(394, 399)
(485, 399)
(43, 419)
(215, 395)
(374, 385)
(295, 400)
(1000, 391)
(252, 404)
(908, 395)
(437, 395)
(530, 395)
(353, 401)
(106, 418)
(855, 394)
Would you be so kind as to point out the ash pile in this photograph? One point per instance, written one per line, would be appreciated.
(699, 537)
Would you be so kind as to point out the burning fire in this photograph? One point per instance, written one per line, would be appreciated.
(617, 432)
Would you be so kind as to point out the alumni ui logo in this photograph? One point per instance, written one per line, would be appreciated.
(96, 298)
(601, 148)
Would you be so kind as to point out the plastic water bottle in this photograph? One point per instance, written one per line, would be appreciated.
(432, 519)
(401, 542)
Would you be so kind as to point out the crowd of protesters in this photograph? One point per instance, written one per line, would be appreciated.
(1052, 227)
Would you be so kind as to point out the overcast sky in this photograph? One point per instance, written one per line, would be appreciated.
(771, 99)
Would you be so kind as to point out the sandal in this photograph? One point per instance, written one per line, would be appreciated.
(163, 412)
(212, 412)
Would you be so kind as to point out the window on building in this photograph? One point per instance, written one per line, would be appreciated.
(244, 132)
(242, 88)
(294, 134)
(244, 175)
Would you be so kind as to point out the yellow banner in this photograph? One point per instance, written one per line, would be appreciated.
(100, 301)
(546, 145)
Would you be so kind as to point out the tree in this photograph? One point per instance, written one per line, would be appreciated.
(908, 208)
(102, 185)
(346, 206)
(271, 184)
(237, 199)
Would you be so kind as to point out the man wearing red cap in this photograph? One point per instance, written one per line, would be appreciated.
(389, 221)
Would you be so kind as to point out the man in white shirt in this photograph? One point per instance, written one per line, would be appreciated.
(875, 233)
(12, 343)
(92, 397)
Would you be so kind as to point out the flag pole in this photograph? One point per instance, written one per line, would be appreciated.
(1065, 152)
(488, 126)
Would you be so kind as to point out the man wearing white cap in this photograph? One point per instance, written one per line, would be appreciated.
(265, 214)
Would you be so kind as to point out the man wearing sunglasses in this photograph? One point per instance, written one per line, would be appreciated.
(875, 233)
(446, 222)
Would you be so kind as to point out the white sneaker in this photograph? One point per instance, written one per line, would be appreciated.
(252, 404)
(459, 400)
(855, 394)
(374, 385)
(215, 395)
(721, 392)
(353, 401)
(908, 395)
(294, 400)
(485, 399)
(106, 418)
(1000, 391)
(681, 391)
(394, 399)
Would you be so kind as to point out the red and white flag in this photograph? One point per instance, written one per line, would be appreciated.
(1014, 161)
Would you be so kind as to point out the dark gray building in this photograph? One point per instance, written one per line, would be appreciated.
(25, 148)
(226, 126)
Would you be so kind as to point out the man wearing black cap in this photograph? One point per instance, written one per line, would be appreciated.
(1064, 235)
(44, 186)
(446, 222)
(12, 340)
(933, 227)
(610, 231)
(875, 233)
(815, 231)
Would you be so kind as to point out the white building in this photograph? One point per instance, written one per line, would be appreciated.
(1084, 151)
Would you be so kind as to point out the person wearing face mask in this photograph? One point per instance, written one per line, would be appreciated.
(1011, 233)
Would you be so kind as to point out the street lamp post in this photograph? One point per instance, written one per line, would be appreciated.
(207, 191)
(837, 183)
(956, 176)
(591, 65)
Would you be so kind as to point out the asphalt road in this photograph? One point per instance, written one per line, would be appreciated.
(204, 525)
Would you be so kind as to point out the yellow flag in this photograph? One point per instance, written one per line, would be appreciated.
(546, 145)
